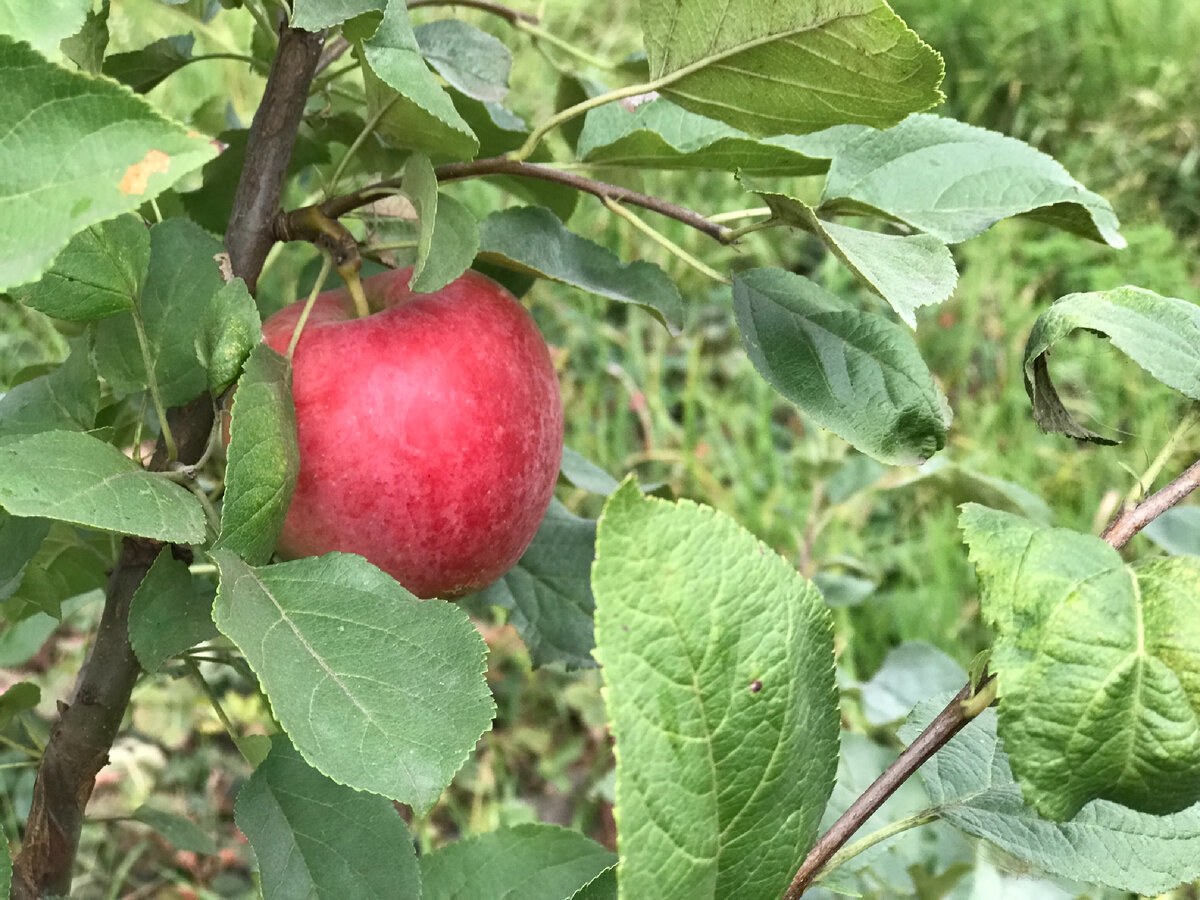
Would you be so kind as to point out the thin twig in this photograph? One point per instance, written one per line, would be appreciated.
(1132, 519)
(334, 51)
(336, 207)
(665, 242)
(512, 16)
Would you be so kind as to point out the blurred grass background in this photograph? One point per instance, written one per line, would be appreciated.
(1111, 88)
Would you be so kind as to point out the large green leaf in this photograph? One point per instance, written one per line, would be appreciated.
(447, 234)
(66, 399)
(530, 862)
(718, 671)
(422, 116)
(908, 271)
(76, 150)
(472, 60)
(971, 783)
(1160, 334)
(955, 181)
(181, 282)
(530, 239)
(661, 135)
(99, 274)
(855, 373)
(44, 24)
(1098, 665)
(168, 614)
(377, 689)
(791, 68)
(317, 839)
(549, 590)
(73, 477)
(264, 458)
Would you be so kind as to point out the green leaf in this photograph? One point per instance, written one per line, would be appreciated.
(86, 47)
(315, 838)
(1177, 530)
(855, 373)
(86, 169)
(378, 690)
(99, 274)
(955, 181)
(661, 135)
(44, 25)
(532, 862)
(313, 15)
(472, 60)
(718, 670)
(530, 239)
(549, 590)
(1160, 334)
(68, 563)
(768, 68)
(1098, 666)
(65, 399)
(181, 833)
(422, 117)
(20, 539)
(5, 867)
(842, 590)
(147, 68)
(182, 279)
(585, 474)
(909, 674)
(168, 614)
(908, 271)
(15, 700)
(19, 642)
(448, 234)
(75, 478)
(954, 483)
(231, 329)
(602, 887)
(264, 458)
(970, 782)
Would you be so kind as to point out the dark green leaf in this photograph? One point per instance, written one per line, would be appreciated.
(184, 834)
(533, 240)
(20, 539)
(264, 458)
(379, 690)
(315, 838)
(68, 563)
(1160, 334)
(231, 330)
(168, 614)
(15, 700)
(472, 60)
(532, 862)
(855, 373)
(585, 474)
(75, 478)
(99, 274)
(86, 47)
(955, 181)
(65, 399)
(841, 590)
(145, 69)
(549, 590)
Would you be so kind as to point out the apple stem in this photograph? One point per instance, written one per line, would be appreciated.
(326, 265)
(349, 272)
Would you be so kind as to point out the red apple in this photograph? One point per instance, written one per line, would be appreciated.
(430, 431)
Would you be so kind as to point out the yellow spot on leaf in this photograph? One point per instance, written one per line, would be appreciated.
(137, 176)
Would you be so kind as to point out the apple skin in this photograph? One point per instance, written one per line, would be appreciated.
(430, 431)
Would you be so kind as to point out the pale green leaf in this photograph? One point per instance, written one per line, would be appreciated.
(231, 329)
(472, 60)
(549, 590)
(771, 68)
(181, 833)
(377, 689)
(313, 15)
(955, 181)
(1097, 662)
(182, 279)
(908, 271)
(1177, 530)
(76, 150)
(43, 24)
(145, 69)
(1160, 334)
(419, 114)
(661, 135)
(585, 474)
(99, 274)
(532, 240)
(529, 862)
(971, 783)
(447, 233)
(718, 668)
(66, 399)
(264, 458)
(320, 840)
(168, 614)
(75, 478)
(855, 373)
(910, 673)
